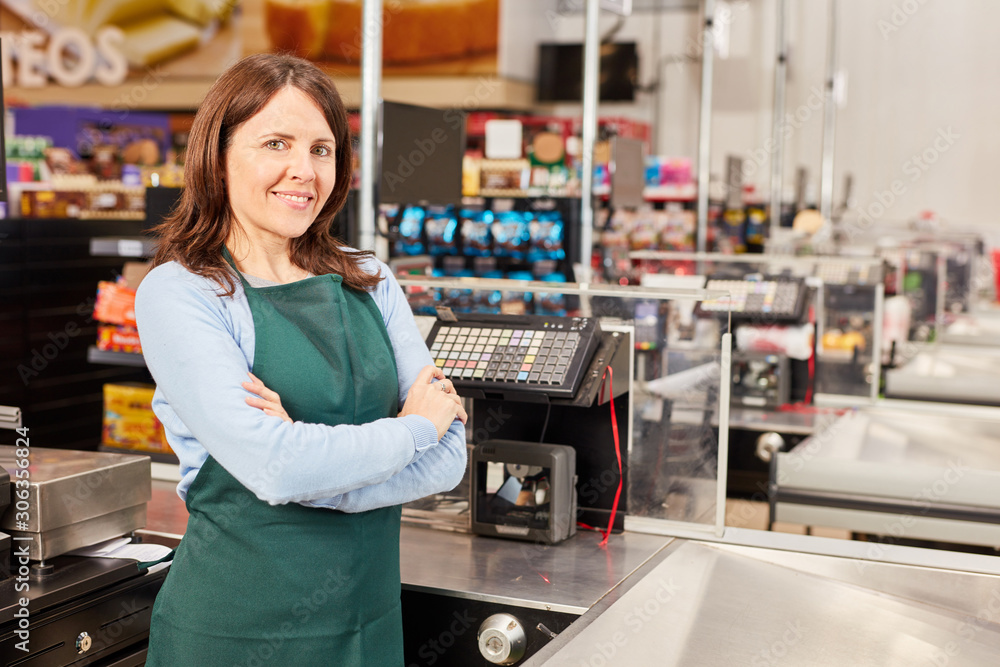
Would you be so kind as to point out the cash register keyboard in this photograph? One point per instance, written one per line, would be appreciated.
(534, 354)
(779, 298)
(848, 273)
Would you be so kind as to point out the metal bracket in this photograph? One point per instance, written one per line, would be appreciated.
(10, 418)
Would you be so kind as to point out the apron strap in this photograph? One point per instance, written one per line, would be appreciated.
(229, 259)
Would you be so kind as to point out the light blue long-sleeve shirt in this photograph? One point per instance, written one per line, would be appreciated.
(199, 347)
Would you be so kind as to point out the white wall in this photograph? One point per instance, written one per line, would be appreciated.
(914, 69)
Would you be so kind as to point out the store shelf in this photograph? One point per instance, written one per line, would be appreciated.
(96, 356)
(122, 246)
(659, 193)
(462, 92)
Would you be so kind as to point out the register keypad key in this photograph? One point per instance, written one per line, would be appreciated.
(522, 353)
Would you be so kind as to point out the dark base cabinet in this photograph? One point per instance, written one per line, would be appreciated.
(442, 630)
(48, 285)
(85, 612)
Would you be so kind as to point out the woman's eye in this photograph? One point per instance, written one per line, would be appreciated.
(275, 144)
(323, 151)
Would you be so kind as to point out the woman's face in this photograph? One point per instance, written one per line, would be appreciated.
(281, 168)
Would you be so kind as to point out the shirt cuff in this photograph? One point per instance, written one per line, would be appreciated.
(423, 431)
(326, 503)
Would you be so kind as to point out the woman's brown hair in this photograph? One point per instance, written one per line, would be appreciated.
(195, 232)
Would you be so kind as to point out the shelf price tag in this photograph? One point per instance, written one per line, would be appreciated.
(129, 248)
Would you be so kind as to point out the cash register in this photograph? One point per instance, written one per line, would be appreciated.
(544, 453)
(80, 610)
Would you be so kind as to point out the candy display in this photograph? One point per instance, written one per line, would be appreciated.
(510, 234)
(129, 422)
(477, 241)
(411, 227)
(117, 338)
(441, 226)
(546, 237)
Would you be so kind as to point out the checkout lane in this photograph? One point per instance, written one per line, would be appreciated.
(572, 597)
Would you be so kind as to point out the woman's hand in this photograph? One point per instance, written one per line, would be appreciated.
(436, 401)
(265, 399)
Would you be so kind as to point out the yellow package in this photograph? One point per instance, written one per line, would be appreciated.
(129, 422)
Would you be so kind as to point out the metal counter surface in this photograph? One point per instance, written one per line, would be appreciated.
(898, 471)
(948, 373)
(977, 328)
(569, 577)
(721, 605)
(901, 454)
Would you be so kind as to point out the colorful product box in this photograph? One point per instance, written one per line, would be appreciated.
(115, 303)
(117, 338)
(129, 422)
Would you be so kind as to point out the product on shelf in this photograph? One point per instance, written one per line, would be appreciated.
(500, 178)
(510, 234)
(118, 338)
(411, 226)
(441, 226)
(115, 303)
(476, 238)
(546, 234)
(129, 422)
(115, 310)
(471, 175)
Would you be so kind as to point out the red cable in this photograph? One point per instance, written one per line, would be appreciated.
(608, 373)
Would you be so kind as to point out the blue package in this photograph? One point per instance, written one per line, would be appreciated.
(546, 234)
(477, 241)
(411, 228)
(441, 225)
(551, 303)
(510, 234)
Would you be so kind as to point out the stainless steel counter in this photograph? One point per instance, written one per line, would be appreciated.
(931, 473)
(948, 373)
(977, 328)
(569, 577)
(712, 605)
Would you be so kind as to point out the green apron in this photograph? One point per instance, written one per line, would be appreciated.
(266, 585)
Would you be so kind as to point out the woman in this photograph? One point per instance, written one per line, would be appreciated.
(293, 475)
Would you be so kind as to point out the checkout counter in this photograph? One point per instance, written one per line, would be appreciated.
(514, 573)
(792, 369)
(678, 587)
(58, 607)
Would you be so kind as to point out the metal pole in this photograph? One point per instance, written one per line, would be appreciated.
(371, 80)
(829, 120)
(591, 72)
(705, 124)
(777, 135)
